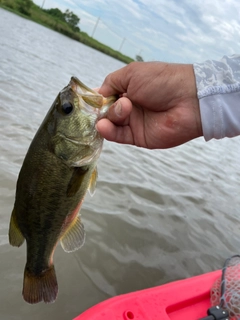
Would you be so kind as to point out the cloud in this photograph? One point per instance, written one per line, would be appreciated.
(173, 30)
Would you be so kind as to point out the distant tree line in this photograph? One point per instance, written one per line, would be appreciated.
(25, 6)
(68, 16)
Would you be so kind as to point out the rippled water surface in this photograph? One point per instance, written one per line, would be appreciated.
(156, 216)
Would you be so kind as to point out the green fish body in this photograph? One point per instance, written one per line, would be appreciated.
(59, 168)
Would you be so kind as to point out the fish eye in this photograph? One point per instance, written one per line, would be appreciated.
(67, 107)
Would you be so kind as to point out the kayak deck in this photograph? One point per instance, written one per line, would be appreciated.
(187, 299)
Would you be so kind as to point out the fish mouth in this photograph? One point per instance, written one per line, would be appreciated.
(75, 83)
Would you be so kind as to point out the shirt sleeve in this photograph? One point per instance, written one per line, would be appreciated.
(218, 90)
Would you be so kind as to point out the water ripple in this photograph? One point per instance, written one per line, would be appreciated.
(156, 216)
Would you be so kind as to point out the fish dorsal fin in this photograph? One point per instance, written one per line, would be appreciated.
(74, 237)
(76, 180)
(16, 238)
(95, 101)
(93, 181)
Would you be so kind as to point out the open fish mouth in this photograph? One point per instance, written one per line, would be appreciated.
(80, 87)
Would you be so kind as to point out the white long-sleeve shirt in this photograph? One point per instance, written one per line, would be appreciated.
(218, 89)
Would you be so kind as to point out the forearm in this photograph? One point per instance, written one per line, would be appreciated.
(218, 89)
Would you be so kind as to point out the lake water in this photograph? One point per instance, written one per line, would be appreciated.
(156, 216)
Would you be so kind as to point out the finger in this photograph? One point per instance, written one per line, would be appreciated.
(120, 111)
(116, 82)
(120, 134)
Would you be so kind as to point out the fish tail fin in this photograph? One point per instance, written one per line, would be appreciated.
(40, 287)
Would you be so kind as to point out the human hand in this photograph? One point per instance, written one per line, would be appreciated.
(158, 105)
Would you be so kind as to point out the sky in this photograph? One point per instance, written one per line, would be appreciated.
(181, 31)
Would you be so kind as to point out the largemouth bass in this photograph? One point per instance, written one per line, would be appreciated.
(59, 168)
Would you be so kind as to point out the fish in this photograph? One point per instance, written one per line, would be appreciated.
(59, 168)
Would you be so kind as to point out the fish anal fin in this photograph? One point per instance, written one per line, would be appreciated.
(93, 181)
(95, 101)
(42, 287)
(16, 238)
(74, 237)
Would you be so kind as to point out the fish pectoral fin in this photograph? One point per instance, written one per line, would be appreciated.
(95, 101)
(74, 237)
(93, 181)
(76, 180)
(16, 238)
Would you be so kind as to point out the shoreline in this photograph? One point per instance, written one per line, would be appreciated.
(39, 16)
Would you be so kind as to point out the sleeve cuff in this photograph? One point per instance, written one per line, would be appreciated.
(220, 115)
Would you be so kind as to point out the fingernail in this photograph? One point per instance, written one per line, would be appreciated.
(118, 108)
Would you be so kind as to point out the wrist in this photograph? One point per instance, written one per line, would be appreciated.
(188, 92)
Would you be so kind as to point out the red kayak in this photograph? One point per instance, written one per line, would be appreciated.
(187, 299)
